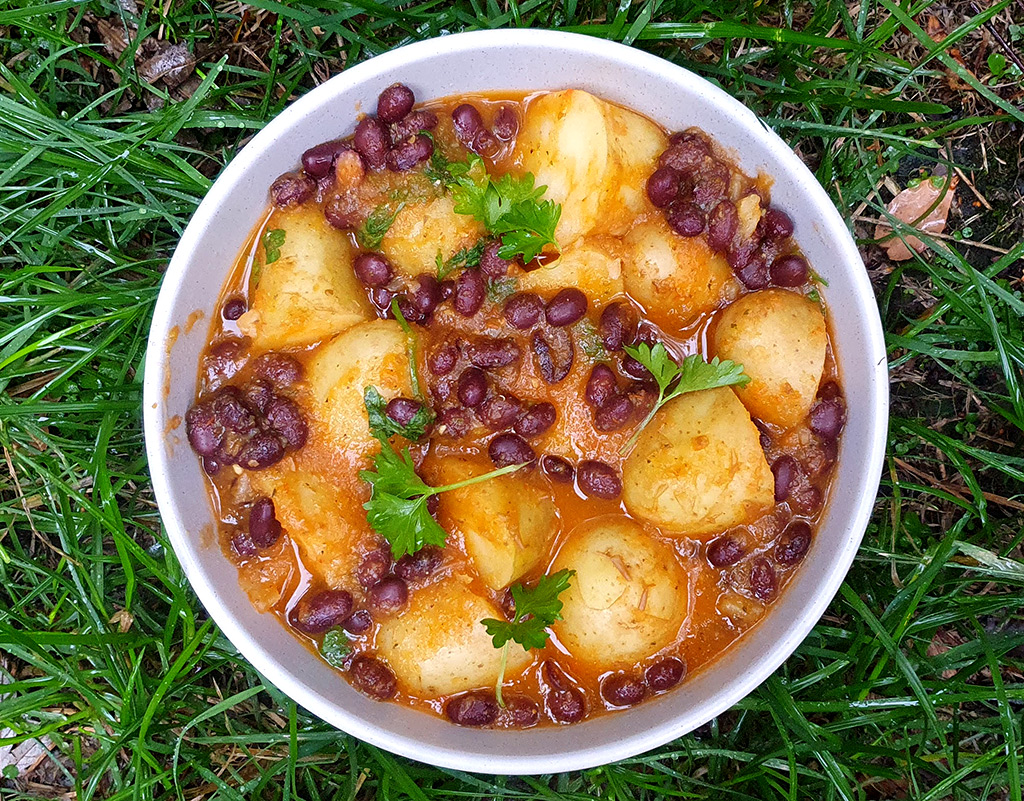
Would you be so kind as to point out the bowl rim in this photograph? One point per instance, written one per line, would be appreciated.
(269, 666)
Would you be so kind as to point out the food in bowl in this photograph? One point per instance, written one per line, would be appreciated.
(520, 410)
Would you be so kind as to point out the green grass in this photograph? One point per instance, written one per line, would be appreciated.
(105, 649)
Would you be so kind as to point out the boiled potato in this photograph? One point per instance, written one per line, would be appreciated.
(421, 230)
(506, 522)
(628, 597)
(779, 338)
(593, 156)
(593, 265)
(438, 646)
(370, 354)
(309, 292)
(676, 278)
(698, 467)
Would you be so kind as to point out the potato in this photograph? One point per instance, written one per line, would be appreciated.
(309, 292)
(676, 278)
(420, 230)
(593, 265)
(779, 338)
(370, 354)
(506, 522)
(698, 467)
(438, 646)
(628, 597)
(594, 158)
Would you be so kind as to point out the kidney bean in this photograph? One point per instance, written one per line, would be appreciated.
(621, 689)
(614, 413)
(598, 479)
(292, 189)
(427, 295)
(472, 387)
(506, 449)
(686, 219)
(491, 264)
(793, 544)
(469, 293)
(359, 622)
(762, 579)
(442, 360)
(566, 706)
(664, 674)
(472, 709)
(536, 420)
(454, 423)
(725, 551)
(558, 469)
(258, 395)
(522, 712)
(407, 153)
(643, 394)
(321, 611)
(280, 369)
(617, 325)
(381, 299)
(413, 123)
(775, 224)
(486, 144)
(686, 153)
(373, 567)
(723, 221)
(233, 308)
(663, 186)
(402, 410)
(499, 411)
(285, 419)
(371, 141)
(634, 369)
(264, 527)
(789, 271)
(372, 269)
(343, 212)
(373, 677)
(523, 310)
(829, 391)
(409, 310)
(553, 354)
(492, 352)
(242, 544)
(319, 160)
(395, 102)
(506, 123)
(787, 472)
(389, 595)
(827, 418)
(211, 466)
(433, 504)
(261, 451)
(753, 274)
(419, 565)
(806, 499)
(566, 307)
(468, 123)
(711, 185)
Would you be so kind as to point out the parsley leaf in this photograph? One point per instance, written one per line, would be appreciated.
(501, 289)
(411, 346)
(693, 375)
(465, 257)
(335, 648)
(373, 229)
(272, 241)
(379, 421)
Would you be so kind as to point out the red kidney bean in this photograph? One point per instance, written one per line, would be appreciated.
(419, 565)
(634, 369)
(806, 499)
(381, 299)
(492, 352)
(499, 411)
(395, 102)
(753, 273)
(787, 472)
(211, 466)
(491, 264)
(373, 567)
(373, 677)
(286, 420)
(372, 141)
(321, 611)
(280, 369)
(407, 153)
(536, 420)
(621, 689)
(261, 451)
(558, 469)
(617, 325)
(829, 391)
(468, 123)
(447, 288)
(664, 674)
(725, 551)
(204, 431)
(553, 354)
(598, 479)
(566, 706)
(233, 308)
(292, 189)
(472, 709)
(319, 160)
(389, 595)
(686, 153)
(414, 122)
(264, 527)
(791, 271)
(506, 123)
(433, 504)
(359, 622)
(469, 293)
(372, 269)
(523, 310)
(566, 307)
(442, 360)
(427, 295)
(343, 212)
(764, 435)
(762, 579)
(775, 224)
(614, 413)
(472, 387)
(506, 449)
(454, 423)
(827, 418)
(723, 221)
(793, 544)
(402, 410)
(410, 312)
(663, 186)
(711, 185)
(686, 219)
(486, 144)
(242, 544)
(522, 712)
(258, 395)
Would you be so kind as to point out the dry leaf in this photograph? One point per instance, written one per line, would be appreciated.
(908, 206)
(172, 63)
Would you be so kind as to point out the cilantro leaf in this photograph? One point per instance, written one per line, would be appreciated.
(272, 242)
(376, 412)
(372, 231)
(693, 375)
(335, 648)
(536, 609)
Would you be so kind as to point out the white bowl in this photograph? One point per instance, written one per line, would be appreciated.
(494, 60)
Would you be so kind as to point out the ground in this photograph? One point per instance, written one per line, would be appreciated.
(114, 118)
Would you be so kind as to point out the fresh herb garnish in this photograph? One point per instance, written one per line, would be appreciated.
(536, 609)
(372, 231)
(444, 172)
(335, 648)
(379, 421)
(501, 289)
(815, 278)
(590, 340)
(411, 348)
(465, 257)
(272, 241)
(693, 375)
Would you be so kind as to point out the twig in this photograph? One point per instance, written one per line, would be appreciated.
(971, 242)
(1002, 42)
(974, 189)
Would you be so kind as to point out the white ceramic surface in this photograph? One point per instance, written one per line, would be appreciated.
(524, 59)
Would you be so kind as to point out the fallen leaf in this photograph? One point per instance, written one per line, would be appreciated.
(908, 206)
(172, 64)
